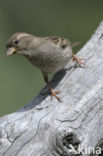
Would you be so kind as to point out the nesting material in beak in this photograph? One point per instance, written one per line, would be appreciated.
(11, 51)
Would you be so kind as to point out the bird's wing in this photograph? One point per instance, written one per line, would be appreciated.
(57, 41)
(62, 42)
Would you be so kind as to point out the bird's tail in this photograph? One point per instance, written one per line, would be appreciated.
(74, 44)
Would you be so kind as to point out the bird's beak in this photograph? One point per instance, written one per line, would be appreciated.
(11, 51)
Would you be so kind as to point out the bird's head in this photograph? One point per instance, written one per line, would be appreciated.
(19, 43)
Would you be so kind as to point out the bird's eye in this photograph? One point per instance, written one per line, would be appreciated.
(16, 41)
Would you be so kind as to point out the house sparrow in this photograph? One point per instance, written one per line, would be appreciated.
(49, 54)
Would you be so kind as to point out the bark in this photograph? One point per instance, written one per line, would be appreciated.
(47, 127)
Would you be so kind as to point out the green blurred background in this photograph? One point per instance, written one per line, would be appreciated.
(73, 19)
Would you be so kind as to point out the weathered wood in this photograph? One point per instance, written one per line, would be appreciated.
(46, 127)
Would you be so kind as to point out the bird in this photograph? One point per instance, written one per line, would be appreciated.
(49, 54)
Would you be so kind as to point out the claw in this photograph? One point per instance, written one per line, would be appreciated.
(78, 60)
(54, 94)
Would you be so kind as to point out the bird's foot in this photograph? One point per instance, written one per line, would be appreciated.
(78, 60)
(54, 94)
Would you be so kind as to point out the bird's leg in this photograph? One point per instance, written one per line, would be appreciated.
(52, 91)
(78, 60)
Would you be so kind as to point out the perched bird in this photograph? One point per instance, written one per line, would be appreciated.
(49, 54)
